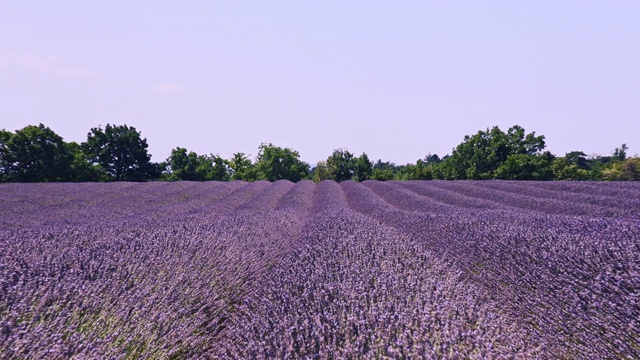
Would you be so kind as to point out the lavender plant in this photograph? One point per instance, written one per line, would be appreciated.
(183, 270)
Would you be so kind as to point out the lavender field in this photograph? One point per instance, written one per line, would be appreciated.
(479, 270)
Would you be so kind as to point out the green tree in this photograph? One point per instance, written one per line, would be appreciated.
(363, 168)
(578, 159)
(480, 155)
(183, 165)
(526, 167)
(420, 171)
(625, 170)
(241, 167)
(320, 172)
(432, 159)
(604, 167)
(5, 136)
(81, 168)
(565, 168)
(121, 152)
(382, 174)
(179, 166)
(383, 171)
(619, 154)
(275, 163)
(34, 154)
(341, 165)
(220, 169)
(423, 169)
(405, 172)
(189, 166)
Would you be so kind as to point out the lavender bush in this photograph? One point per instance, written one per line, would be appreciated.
(492, 269)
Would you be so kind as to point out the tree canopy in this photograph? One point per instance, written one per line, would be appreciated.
(342, 165)
(275, 163)
(479, 156)
(363, 168)
(183, 165)
(34, 154)
(242, 168)
(121, 152)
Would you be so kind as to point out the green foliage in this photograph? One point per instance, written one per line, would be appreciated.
(363, 168)
(118, 153)
(383, 171)
(121, 153)
(275, 163)
(598, 165)
(241, 167)
(625, 170)
(405, 172)
(577, 166)
(219, 171)
(526, 167)
(34, 154)
(382, 174)
(81, 169)
(419, 171)
(5, 136)
(183, 165)
(321, 172)
(424, 169)
(341, 165)
(619, 154)
(578, 159)
(432, 159)
(180, 166)
(479, 156)
(566, 169)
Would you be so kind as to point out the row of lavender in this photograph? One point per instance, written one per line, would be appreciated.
(26, 205)
(355, 288)
(573, 280)
(139, 282)
(415, 269)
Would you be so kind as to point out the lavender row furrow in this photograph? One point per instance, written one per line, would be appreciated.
(593, 203)
(30, 204)
(352, 270)
(133, 289)
(618, 189)
(299, 200)
(554, 271)
(194, 201)
(577, 279)
(523, 201)
(404, 199)
(268, 199)
(447, 196)
(355, 289)
(328, 197)
(241, 194)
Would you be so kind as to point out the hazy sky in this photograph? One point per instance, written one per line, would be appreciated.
(396, 79)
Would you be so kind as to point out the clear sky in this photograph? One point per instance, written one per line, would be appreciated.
(395, 79)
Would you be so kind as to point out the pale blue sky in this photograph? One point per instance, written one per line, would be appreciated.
(396, 79)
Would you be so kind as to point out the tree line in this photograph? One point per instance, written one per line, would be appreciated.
(119, 153)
